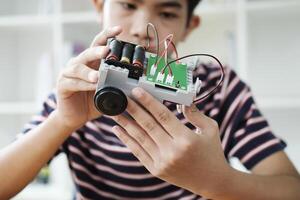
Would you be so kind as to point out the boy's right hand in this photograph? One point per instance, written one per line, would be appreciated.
(77, 83)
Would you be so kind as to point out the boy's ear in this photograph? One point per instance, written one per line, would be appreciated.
(98, 5)
(194, 22)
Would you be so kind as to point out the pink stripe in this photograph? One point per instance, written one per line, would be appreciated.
(239, 133)
(104, 126)
(51, 103)
(97, 129)
(92, 126)
(249, 138)
(108, 169)
(118, 185)
(214, 111)
(228, 130)
(172, 194)
(112, 160)
(250, 112)
(188, 197)
(115, 161)
(228, 115)
(259, 149)
(216, 97)
(209, 106)
(232, 85)
(109, 195)
(107, 147)
(94, 189)
(213, 75)
(255, 120)
(235, 106)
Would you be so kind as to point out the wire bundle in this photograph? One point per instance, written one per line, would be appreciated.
(167, 43)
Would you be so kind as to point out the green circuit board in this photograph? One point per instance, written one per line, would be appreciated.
(179, 71)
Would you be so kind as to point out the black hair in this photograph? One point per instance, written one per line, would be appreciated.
(192, 4)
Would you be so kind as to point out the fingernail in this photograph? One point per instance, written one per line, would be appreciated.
(138, 92)
(93, 76)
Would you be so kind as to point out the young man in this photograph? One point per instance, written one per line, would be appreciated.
(158, 155)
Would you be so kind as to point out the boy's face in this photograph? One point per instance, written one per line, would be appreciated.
(168, 16)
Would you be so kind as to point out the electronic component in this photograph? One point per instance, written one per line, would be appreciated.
(139, 56)
(127, 53)
(116, 81)
(115, 47)
(165, 80)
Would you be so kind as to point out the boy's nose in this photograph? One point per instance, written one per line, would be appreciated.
(139, 29)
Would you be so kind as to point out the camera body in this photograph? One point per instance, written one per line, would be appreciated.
(117, 78)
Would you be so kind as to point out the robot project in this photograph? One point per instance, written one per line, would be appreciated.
(130, 65)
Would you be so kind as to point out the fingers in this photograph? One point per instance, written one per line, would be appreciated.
(77, 77)
(160, 112)
(82, 72)
(90, 54)
(70, 85)
(136, 149)
(138, 134)
(102, 37)
(199, 120)
(148, 123)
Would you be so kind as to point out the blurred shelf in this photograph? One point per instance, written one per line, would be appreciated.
(278, 103)
(216, 9)
(253, 5)
(41, 20)
(79, 17)
(26, 20)
(18, 108)
(271, 5)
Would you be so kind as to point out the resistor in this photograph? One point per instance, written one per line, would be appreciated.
(139, 56)
(115, 47)
(127, 53)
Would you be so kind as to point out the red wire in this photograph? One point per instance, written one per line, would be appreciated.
(220, 81)
(169, 39)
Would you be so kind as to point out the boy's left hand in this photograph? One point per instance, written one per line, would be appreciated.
(169, 149)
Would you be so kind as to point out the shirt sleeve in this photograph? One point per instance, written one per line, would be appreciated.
(246, 134)
(48, 106)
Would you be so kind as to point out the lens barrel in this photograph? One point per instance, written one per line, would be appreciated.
(110, 101)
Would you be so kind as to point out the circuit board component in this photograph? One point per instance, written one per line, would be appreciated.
(176, 80)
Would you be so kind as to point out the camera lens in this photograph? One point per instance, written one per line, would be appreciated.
(110, 101)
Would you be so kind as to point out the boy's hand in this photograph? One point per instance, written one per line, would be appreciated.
(170, 150)
(77, 82)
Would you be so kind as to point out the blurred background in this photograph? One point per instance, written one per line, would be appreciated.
(260, 39)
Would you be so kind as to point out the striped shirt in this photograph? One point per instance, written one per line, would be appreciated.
(104, 168)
